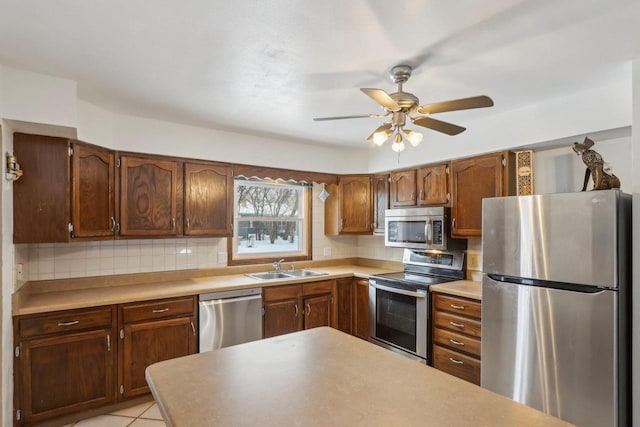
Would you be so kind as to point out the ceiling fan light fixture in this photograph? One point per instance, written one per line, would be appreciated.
(381, 137)
(415, 138)
(398, 143)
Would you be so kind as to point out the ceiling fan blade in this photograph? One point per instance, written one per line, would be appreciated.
(382, 98)
(457, 104)
(439, 125)
(386, 126)
(321, 119)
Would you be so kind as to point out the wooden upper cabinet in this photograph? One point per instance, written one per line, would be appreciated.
(92, 191)
(472, 180)
(403, 188)
(349, 208)
(66, 192)
(380, 201)
(433, 185)
(208, 197)
(148, 196)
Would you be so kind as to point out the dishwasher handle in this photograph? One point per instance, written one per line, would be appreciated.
(229, 300)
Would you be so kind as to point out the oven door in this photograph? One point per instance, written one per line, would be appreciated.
(398, 318)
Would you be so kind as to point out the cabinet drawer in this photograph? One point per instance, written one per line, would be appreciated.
(277, 293)
(65, 321)
(457, 323)
(454, 363)
(317, 288)
(159, 309)
(460, 306)
(456, 341)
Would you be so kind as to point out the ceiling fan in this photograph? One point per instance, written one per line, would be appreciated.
(403, 106)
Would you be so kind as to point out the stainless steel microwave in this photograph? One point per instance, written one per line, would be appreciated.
(419, 228)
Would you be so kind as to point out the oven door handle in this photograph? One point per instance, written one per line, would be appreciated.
(418, 294)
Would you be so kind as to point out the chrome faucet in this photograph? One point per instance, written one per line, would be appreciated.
(276, 265)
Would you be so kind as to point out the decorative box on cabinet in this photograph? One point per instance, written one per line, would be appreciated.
(65, 362)
(457, 336)
(291, 308)
(349, 208)
(67, 191)
(472, 180)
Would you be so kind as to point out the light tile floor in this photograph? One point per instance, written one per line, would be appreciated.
(142, 415)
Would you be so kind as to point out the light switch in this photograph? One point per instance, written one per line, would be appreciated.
(327, 251)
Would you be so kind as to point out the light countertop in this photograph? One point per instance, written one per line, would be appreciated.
(57, 296)
(323, 377)
(461, 288)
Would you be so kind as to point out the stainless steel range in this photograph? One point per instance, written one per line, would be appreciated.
(399, 303)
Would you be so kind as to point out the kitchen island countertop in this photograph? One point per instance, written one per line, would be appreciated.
(323, 377)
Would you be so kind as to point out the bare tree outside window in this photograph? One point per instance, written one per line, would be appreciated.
(269, 218)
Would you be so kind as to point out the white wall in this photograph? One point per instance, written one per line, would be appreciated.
(7, 282)
(635, 330)
(38, 98)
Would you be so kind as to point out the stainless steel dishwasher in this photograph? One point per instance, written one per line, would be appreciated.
(229, 318)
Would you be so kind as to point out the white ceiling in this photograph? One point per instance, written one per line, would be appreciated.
(269, 67)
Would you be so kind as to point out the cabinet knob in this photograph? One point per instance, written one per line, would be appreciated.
(457, 325)
(296, 307)
(186, 223)
(73, 322)
(453, 224)
(458, 307)
(113, 224)
(173, 224)
(308, 309)
(456, 361)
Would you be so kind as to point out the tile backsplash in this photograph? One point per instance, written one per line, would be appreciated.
(82, 259)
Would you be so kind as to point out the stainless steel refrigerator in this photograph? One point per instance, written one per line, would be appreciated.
(556, 303)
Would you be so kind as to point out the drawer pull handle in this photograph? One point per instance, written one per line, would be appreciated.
(454, 342)
(456, 361)
(457, 325)
(458, 307)
(73, 322)
(161, 310)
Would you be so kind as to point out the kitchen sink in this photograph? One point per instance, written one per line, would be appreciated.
(305, 273)
(289, 274)
(270, 275)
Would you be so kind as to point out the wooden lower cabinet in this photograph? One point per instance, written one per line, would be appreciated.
(66, 363)
(151, 332)
(292, 308)
(457, 336)
(361, 308)
(75, 360)
(353, 307)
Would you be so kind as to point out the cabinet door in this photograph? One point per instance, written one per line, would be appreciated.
(355, 204)
(66, 373)
(361, 308)
(380, 201)
(150, 342)
(433, 185)
(92, 191)
(148, 196)
(281, 317)
(344, 290)
(41, 208)
(472, 180)
(403, 188)
(208, 192)
(317, 311)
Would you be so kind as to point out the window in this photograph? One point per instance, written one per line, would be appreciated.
(271, 221)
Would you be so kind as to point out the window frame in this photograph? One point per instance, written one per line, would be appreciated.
(265, 258)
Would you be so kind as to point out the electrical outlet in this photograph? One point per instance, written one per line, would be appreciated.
(19, 268)
(222, 257)
(327, 252)
(473, 261)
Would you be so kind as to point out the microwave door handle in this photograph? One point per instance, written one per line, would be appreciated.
(428, 232)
